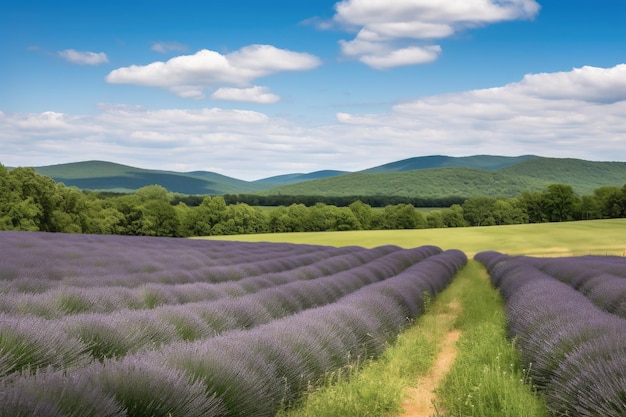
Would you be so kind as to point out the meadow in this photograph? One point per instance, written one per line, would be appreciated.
(600, 237)
(339, 323)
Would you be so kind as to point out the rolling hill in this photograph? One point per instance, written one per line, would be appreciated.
(108, 176)
(514, 176)
(295, 178)
(489, 162)
(428, 176)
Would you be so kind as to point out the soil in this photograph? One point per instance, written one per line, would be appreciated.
(420, 398)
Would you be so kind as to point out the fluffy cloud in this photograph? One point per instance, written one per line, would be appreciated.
(189, 75)
(83, 57)
(254, 94)
(575, 113)
(406, 56)
(578, 113)
(586, 84)
(383, 26)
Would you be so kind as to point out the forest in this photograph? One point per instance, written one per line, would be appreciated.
(34, 202)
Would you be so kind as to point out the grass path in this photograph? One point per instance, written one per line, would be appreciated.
(420, 401)
(454, 361)
(486, 378)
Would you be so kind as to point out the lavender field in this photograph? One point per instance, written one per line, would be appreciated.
(94, 325)
(568, 317)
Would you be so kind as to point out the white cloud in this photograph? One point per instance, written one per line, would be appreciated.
(386, 26)
(254, 94)
(165, 47)
(582, 117)
(189, 75)
(84, 57)
(586, 84)
(406, 56)
(579, 117)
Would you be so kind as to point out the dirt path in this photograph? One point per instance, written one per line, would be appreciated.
(419, 401)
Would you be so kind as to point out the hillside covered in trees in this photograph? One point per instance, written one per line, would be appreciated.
(429, 178)
(30, 201)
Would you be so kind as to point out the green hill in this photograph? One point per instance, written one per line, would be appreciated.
(435, 182)
(434, 176)
(100, 175)
(583, 176)
(295, 178)
(530, 174)
(489, 162)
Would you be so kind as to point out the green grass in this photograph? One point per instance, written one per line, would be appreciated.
(377, 388)
(486, 379)
(544, 239)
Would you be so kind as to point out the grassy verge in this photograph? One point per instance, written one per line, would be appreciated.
(377, 388)
(485, 380)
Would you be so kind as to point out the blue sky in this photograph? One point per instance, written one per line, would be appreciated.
(253, 89)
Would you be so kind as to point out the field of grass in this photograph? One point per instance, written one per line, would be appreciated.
(598, 237)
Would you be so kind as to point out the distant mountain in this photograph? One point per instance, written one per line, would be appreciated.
(108, 176)
(426, 183)
(516, 175)
(583, 175)
(428, 176)
(295, 178)
(488, 162)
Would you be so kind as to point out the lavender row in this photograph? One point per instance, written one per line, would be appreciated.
(241, 373)
(575, 351)
(602, 279)
(67, 300)
(81, 338)
(37, 262)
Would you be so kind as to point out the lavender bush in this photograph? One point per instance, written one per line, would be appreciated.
(123, 331)
(172, 336)
(575, 349)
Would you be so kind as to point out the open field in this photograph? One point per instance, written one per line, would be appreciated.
(599, 237)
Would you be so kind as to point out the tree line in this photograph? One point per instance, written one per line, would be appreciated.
(30, 201)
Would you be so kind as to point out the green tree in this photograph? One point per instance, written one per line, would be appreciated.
(345, 219)
(453, 217)
(479, 211)
(363, 213)
(159, 217)
(509, 211)
(242, 219)
(319, 218)
(589, 208)
(560, 202)
(41, 196)
(434, 219)
(533, 203)
(16, 212)
(101, 216)
(400, 216)
(131, 211)
(610, 201)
